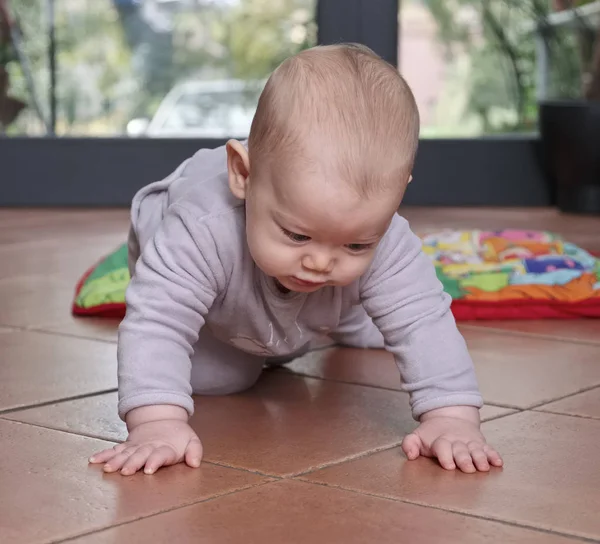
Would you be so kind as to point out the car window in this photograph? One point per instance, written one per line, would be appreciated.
(212, 113)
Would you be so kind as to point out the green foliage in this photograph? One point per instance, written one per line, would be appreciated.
(278, 29)
(113, 66)
(503, 59)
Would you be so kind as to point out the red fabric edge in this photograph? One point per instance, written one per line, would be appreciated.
(523, 309)
(115, 309)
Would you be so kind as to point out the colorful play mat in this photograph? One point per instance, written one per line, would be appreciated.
(508, 274)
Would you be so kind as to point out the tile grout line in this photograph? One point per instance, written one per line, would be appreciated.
(63, 431)
(57, 401)
(348, 459)
(8, 328)
(453, 511)
(243, 469)
(508, 332)
(502, 416)
(375, 451)
(505, 406)
(578, 416)
(317, 468)
(534, 407)
(165, 511)
(72, 335)
(19, 328)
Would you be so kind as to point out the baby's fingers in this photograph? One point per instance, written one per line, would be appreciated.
(480, 458)
(462, 457)
(493, 456)
(193, 453)
(442, 449)
(136, 460)
(105, 455)
(160, 457)
(117, 462)
(412, 446)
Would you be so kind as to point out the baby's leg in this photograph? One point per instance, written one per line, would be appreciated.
(272, 362)
(221, 369)
(357, 330)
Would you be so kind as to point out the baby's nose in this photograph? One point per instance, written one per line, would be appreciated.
(318, 262)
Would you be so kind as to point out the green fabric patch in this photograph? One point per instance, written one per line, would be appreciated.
(107, 283)
(451, 285)
(109, 289)
(114, 261)
(490, 281)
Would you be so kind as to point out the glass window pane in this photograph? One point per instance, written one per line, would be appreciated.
(162, 68)
(26, 66)
(479, 67)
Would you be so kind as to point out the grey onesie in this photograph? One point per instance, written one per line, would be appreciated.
(202, 318)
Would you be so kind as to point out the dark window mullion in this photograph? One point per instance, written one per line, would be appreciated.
(373, 23)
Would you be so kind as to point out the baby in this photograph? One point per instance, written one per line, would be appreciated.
(246, 254)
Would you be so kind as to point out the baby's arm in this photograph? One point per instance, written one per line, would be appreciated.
(407, 303)
(175, 283)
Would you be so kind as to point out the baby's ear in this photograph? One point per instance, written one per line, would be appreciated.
(238, 168)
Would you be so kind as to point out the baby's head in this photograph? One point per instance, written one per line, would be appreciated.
(329, 157)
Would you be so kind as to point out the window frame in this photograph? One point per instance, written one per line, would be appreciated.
(67, 171)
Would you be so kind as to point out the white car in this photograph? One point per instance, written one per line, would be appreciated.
(202, 109)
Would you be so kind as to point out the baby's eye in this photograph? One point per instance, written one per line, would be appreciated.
(357, 248)
(294, 236)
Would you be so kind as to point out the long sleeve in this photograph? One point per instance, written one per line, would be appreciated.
(406, 301)
(176, 280)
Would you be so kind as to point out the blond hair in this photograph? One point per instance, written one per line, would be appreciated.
(353, 104)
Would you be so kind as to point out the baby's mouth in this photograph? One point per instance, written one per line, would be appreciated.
(306, 283)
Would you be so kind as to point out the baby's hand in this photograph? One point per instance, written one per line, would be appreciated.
(453, 436)
(153, 444)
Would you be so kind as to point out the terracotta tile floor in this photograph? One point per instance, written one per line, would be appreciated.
(311, 453)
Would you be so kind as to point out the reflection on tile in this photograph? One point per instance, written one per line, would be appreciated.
(91, 416)
(43, 302)
(550, 481)
(523, 371)
(289, 425)
(547, 369)
(284, 425)
(30, 228)
(48, 492)
(361, 366)
(297, 513)
(38, 367)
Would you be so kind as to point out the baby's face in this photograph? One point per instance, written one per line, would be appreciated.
(309, 233)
